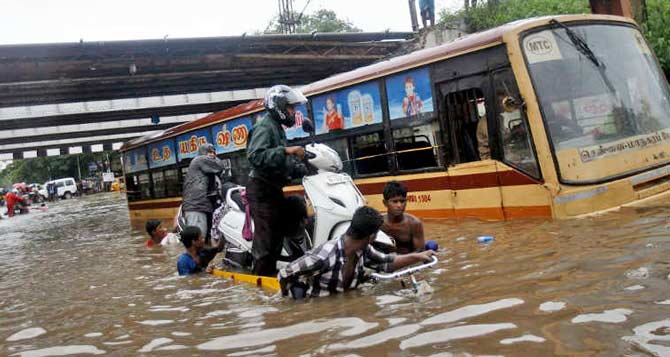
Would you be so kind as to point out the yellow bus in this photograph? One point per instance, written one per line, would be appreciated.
(550, 117)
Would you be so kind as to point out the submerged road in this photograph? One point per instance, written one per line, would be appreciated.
(78, 280)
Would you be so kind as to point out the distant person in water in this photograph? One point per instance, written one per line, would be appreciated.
(158, 234)
(339, 265)
(14, 198)
(196, 258)
(406, 229)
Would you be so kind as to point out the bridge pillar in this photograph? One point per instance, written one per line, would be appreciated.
(64, 151)
(41, 152)
(17, 155)
(107, 147)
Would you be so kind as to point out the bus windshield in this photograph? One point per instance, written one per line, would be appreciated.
(604, 99)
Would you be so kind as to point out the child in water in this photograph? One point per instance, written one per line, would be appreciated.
(406, 229)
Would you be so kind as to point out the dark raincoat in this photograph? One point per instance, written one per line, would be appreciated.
(200, 180)
(267, 153)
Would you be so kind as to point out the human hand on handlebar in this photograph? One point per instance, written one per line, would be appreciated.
(298, 151)
(426, 255)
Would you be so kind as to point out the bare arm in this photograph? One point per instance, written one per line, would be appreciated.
(404, 260)
(417, 236)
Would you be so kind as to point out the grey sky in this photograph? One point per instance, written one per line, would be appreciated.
(45, 21)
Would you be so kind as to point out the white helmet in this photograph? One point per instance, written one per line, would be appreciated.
(276, 100)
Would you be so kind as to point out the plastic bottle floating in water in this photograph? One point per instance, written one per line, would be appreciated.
(484, 239)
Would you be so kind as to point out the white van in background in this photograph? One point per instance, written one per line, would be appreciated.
(65, 187)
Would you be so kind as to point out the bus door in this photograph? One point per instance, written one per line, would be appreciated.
(523, 194)
(475, 189)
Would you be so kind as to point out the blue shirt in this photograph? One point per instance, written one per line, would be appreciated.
(186, 265)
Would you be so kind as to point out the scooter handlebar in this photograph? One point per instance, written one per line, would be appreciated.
(406, 271)
(309, 155)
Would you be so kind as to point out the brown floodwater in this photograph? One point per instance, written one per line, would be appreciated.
(78, 280)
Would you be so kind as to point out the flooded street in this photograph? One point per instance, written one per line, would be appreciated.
(78, 280)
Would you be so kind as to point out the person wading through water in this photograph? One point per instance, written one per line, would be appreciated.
(273, 165)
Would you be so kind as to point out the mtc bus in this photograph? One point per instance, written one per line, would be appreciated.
(575, 112)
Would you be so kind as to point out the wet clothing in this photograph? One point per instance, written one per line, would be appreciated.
(321, 270)
(12, 198)
(266, 153)
(187, 266)
(200, 181)
(266, 203)
(197, 219)
(271, 169)
(169, 239)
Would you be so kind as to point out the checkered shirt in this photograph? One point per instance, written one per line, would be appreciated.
(321, 268)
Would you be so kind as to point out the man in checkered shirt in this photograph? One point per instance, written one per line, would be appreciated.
(338, 265)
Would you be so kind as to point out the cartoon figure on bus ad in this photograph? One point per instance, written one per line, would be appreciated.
(409, 94)
(348, 108)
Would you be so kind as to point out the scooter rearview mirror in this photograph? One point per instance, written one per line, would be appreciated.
(308, 126)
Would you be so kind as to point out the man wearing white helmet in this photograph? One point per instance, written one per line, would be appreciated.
(273, 165)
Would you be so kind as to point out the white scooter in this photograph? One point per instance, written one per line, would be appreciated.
(332, 194)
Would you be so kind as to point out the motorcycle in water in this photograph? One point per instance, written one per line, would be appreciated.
(333, 196)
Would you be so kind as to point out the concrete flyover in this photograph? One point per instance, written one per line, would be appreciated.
(55, 97)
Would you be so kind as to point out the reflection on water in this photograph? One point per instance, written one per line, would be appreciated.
(78, 280)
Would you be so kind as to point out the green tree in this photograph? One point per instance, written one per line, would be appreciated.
(657, 31)
(481, 15)
(323, 20)
(42, 169)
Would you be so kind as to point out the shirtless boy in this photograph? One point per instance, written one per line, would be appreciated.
(406, 229)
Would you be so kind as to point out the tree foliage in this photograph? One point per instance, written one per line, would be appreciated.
(657, 30)
(487, 14)
(323, 20)
(42, 169)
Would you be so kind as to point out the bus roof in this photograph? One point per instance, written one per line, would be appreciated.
(392, 65)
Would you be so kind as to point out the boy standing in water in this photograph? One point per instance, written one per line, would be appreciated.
(158, 234)
(197, 257)
(406, 229)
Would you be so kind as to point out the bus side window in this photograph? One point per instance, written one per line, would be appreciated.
(132, 191)
(159, 184)
(416, 147)
(464, 110)
(172, 186)
(144, 184)
(342, 147)
(370, 153)
(517, 147)
(239, 167)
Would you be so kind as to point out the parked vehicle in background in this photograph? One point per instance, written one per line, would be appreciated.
(118, 185)
(42, 191)
(65, 187)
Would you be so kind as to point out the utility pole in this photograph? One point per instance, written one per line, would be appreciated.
(612, 7)
(412, 14)
(287, 19)
(78, 167)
